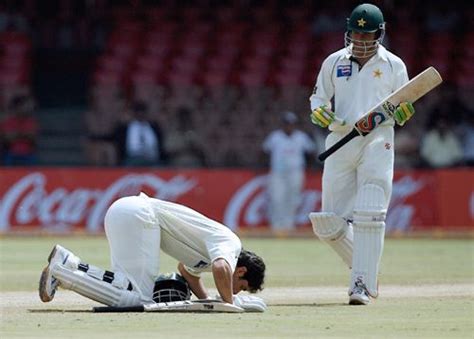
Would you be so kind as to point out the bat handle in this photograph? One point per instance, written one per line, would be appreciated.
(340, 121)
(108, 309)
(323, 156)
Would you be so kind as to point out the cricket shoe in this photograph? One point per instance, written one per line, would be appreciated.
(359, 294)
(48, 283)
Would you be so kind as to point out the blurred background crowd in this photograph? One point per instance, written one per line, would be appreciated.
(202, 83)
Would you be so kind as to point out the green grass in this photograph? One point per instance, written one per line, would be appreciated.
(290, 263)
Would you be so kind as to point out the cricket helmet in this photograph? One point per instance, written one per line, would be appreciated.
(171, 287)
(365, 18)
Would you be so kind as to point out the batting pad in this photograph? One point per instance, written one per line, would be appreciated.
(199, 306)
(369, 232)
(93, 288)
(336, 232)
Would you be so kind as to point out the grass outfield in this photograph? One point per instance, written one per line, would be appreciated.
(426, 291)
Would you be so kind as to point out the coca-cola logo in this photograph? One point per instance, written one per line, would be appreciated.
(471, 205)
(400, 214)
(249, 205)
(27, 201)
(33, 201)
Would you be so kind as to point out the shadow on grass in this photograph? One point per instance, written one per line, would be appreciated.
(55, 310)
(310, 305)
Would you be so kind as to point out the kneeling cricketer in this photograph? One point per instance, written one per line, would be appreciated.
(137, 227)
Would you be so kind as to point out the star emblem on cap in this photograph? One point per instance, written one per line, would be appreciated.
(361, 22)
(377, 73)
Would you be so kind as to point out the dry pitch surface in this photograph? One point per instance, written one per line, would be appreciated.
(432, 299)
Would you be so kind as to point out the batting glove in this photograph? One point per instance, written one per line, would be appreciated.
(403, 113)
(250, 303)
(322, 116)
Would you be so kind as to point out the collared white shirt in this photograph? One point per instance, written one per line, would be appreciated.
(355, 90)
(192, 238)
(287, 151)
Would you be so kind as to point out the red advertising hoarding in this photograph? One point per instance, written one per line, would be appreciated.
(70, 199)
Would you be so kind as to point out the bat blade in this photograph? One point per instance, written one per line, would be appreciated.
(200, 306)
(411, 91)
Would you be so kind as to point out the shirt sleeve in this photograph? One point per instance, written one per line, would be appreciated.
(400, 75)
(324, 89)
(229, 250)
(267, 143)
(192, 271)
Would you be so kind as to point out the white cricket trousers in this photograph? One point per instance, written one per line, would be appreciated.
(364, 160)
(285, 194)
(133, 233)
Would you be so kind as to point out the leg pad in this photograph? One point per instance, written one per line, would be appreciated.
(369, 232)
(336, 232)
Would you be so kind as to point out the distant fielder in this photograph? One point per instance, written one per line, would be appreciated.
(287, 147)
(136, 228)
(357, 180)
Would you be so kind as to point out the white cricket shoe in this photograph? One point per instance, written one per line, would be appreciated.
(359, 294)
(48, 283)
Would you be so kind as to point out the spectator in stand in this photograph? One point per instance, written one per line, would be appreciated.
(442, 17)
(19, 131)
(287, 148)
(11, 19)
(139, 140)
(466, 133)
(406, 141)
(184, 147)
(328, 18)
(106, 105)
(440, 146)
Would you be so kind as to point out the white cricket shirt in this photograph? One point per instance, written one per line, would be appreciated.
(287, 151)
(192, 238)
(355, 90)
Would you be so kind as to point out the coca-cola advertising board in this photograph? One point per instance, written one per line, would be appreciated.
(71, 199)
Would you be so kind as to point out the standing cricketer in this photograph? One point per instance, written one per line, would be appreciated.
(357, 180)
(287, 147)
(137, 227)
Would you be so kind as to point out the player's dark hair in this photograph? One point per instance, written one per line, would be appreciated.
(255, 274)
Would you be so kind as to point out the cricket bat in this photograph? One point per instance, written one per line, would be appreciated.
(200, 306)
(411, 91)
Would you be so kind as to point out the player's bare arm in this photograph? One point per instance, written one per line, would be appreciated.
(222, 273)
(195, 283)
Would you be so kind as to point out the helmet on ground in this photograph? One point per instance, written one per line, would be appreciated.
(171, 287)
(365, 18)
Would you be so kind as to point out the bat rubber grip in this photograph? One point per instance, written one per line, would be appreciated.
(323, 156)
(109, 309)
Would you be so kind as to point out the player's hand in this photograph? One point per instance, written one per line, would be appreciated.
(250, 303)
(322, 116)
(403, 112)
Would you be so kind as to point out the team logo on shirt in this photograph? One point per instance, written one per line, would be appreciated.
(377, 73)
(344, 70)
(201, 264)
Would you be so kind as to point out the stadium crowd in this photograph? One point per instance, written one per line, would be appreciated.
(211, 78)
